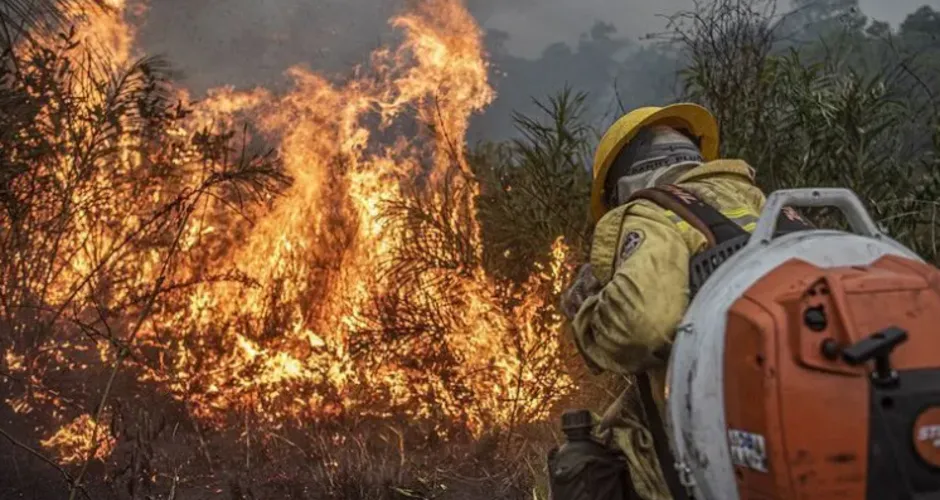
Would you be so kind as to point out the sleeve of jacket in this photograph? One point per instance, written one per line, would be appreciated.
(637, 311)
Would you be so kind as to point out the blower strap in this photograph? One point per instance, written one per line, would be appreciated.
(667, 463)
(706, 219)
(714, 225)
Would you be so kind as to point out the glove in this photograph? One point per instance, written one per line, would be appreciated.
(584, 286)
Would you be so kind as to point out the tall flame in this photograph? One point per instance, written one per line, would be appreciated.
(310, 337)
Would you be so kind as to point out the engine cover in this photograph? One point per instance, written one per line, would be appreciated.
(803, 422)
(761, 400)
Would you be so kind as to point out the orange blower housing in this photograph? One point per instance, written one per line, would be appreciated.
(807, 365)
(837, 370)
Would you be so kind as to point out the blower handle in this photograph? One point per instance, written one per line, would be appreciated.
(843, 199)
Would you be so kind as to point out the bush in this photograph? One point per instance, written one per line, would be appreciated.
(822, 119)
(533, 189)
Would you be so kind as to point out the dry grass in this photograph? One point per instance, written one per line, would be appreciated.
(167, 455)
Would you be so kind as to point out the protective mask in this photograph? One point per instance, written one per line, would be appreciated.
(657, 155)
(630, 184)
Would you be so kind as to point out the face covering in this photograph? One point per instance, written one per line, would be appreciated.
(628, 185)
(657, 155)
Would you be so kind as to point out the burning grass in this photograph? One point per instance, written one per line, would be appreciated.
(261, 295)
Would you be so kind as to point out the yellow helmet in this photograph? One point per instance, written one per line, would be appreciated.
(688, 117)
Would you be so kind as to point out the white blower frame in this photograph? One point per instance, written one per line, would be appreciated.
(695, 415)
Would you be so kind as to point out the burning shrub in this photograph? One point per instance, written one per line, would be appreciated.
(335, 278)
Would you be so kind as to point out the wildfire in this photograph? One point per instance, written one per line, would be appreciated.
(105, 31)
(74, 441)
(327, 321)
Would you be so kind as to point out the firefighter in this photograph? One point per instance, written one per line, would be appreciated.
(627, 302)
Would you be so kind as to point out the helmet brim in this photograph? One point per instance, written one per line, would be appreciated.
(691, 118)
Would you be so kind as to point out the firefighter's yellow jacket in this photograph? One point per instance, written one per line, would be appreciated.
(640, 254)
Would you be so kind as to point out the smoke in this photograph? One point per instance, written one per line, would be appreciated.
(536, 46)
(251, 42)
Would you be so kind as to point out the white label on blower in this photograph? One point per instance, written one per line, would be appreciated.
(748, 450)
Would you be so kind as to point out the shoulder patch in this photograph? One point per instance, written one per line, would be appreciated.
(631, 242)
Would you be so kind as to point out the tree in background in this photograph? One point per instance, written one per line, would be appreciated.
(821, 114)
(610, 69)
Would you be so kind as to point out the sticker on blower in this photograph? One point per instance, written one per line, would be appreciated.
(748, 450)
(927, 436)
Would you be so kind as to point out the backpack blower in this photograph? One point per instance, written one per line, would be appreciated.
(807, 367)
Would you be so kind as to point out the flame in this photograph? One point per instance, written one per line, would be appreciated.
(324, 326)
(104, 28)
(74, 441)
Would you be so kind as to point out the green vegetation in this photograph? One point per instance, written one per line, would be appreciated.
(534, 188)
(820, 96)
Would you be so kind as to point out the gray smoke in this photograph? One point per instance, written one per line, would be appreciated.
(248, 42)
(251, 42)
(537, 46)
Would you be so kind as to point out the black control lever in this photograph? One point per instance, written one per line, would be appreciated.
(879, 347)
